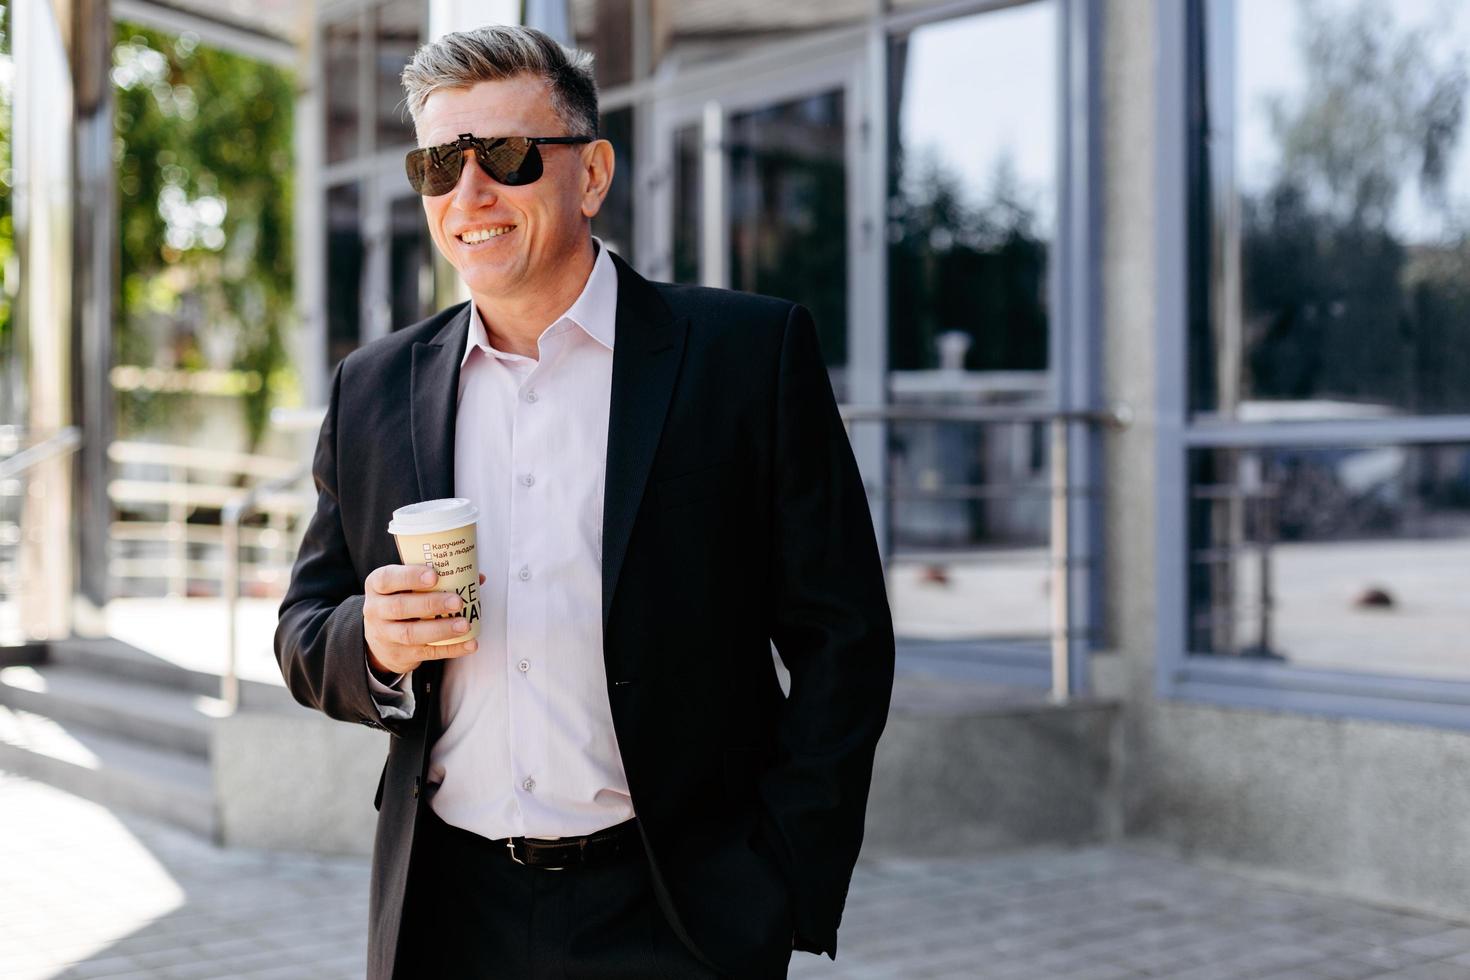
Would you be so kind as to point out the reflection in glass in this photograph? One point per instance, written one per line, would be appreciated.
(344, 271)
(971, 203)
(340, 46)
(688, 143)
(1355, 557)
(614, 223)
(972, 184)
(1348, 282)
(411, 255)
(605, 28)
(400, 25)
(788, 210)
(687, 32)
(970, 554)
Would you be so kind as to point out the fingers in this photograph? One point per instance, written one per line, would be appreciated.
(403, 616)
(413, 605)
(420, 632)
(388, 579)
(448, 651)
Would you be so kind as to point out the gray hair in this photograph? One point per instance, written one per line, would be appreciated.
(487, 54)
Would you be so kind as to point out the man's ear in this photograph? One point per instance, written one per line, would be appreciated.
(598, 165)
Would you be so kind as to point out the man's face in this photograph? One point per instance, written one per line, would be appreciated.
(534, 226)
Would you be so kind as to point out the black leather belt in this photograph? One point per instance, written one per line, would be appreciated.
(573, 852)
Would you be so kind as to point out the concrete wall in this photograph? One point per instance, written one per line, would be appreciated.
(1368, 809)
(296, 782)
(957, 775)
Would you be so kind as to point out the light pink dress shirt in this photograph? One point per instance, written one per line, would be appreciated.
(528, 748)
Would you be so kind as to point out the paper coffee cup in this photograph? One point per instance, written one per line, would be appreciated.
(441, 534)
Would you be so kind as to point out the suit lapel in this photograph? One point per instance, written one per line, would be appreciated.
(647, 349)
(433, 392)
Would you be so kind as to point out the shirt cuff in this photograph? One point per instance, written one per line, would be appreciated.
(395, 701)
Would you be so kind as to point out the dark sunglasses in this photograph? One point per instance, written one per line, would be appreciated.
(511, 160)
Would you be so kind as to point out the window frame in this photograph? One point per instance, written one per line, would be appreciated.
(1181, 144)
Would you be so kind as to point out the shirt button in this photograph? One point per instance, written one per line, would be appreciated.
(529, 784)
(524, 665)
(524, 573)
(528, 480)
(531, 395)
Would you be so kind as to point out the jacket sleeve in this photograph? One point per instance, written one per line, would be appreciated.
(319, 638)
(831, 625)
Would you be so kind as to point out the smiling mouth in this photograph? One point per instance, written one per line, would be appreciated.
(476, 236)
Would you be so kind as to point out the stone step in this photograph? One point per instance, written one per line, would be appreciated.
(109, 769)
(159, 716)
(105, 655)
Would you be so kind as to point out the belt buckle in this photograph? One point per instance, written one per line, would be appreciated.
(510, 845)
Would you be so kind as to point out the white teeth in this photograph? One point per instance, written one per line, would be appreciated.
(482, 234)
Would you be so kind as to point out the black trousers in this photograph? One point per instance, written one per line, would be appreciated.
(472, 912)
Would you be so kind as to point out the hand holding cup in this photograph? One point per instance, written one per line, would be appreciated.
(398, 619)
(428, 608)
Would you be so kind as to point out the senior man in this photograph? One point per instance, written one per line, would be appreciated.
(610, 782)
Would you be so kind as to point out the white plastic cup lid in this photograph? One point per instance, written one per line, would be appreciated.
(432, 516)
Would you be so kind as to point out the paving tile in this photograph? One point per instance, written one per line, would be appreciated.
(87, 894)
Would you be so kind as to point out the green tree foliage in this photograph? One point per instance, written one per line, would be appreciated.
(203, 151)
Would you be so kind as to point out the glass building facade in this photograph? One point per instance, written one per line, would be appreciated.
(877, 165)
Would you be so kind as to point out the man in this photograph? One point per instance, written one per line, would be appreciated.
(609, 783)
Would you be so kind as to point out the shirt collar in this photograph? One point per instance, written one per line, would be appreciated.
(595, 310)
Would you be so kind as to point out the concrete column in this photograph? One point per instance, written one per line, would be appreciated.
(42, 201)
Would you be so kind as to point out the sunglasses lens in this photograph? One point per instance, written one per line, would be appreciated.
(432, 173)
(513, 160)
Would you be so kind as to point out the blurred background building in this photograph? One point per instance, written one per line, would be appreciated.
(1150, 320)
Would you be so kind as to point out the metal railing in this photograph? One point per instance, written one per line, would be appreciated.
(230, 517)
(1060, 487)
(193, 480)
(155, 509)
(60, 443)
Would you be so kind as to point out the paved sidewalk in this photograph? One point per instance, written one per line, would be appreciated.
(89, 893)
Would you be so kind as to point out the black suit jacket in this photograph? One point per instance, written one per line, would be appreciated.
(734, 517)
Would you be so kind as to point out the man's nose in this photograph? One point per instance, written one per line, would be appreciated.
(475, 189)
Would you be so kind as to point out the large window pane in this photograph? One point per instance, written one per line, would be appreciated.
(971, 208)
(1340, 214)
(399, 25)
(605, 28)
(614, 223)
(971, 198)
(411, 255)
(341, 43)
(688, 190)
(344, 271)
(971, 507)
(788, 209)
(1352, 557)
